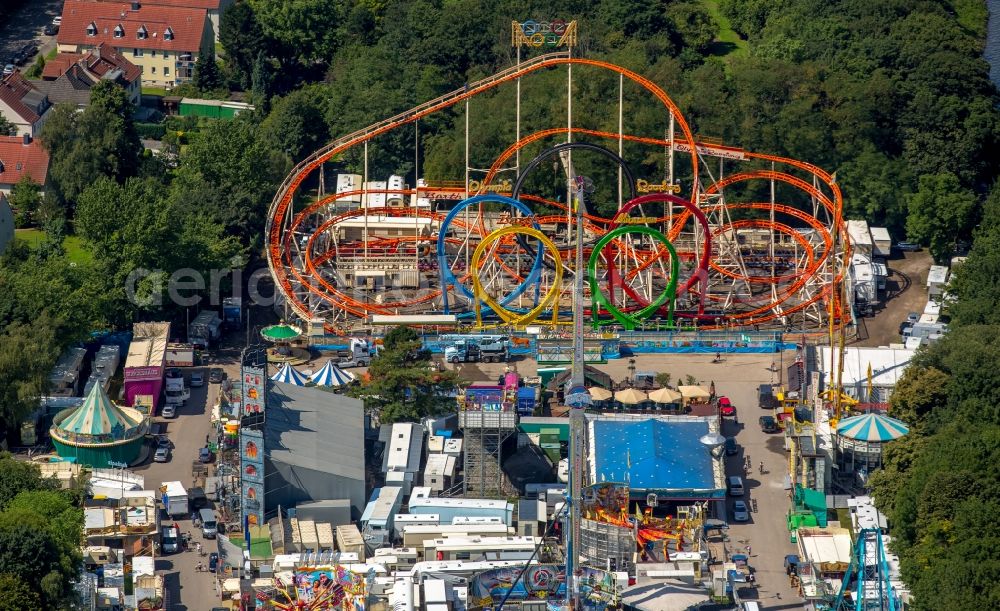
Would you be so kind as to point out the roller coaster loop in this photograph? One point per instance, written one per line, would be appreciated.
(483, 298)
(631, 320)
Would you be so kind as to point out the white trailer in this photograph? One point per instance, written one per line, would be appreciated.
(175, 499)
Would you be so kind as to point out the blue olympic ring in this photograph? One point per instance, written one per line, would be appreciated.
(448, 277)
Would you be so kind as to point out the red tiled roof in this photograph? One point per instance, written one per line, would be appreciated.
(12, 92)
(202, 4)
(187, 25)
(104, 58)
(20, 160)
(55, 67)
(97, 62)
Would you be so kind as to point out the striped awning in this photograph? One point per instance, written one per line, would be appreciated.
(289, 375)
(331, 375)
(99, 416)
(872, 427)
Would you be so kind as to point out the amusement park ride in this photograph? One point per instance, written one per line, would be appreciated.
(481, 251)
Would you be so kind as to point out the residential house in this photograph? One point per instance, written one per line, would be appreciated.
(22, 156)
(163, 41)
(23, 105)
(214, 8)
(68, 77)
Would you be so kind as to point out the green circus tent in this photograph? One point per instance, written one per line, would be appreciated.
(98, 431)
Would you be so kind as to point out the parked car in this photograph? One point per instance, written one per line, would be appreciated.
(732, 448)
(197, 379)
(163, 442)
(740, 511)
(908, 246)
(51, 30)
(911, 319)
(765, 397)
(169, 411)
(196, 498)
(204, 455)
(768, 424)
(57, 20)
(162, 454)
(726, 407)
(213, 562)
(9, 69)
(216, 376)
(27, 52)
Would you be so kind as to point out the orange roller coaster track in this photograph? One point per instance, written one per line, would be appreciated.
(300, 252)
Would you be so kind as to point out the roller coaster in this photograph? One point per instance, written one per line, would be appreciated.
(493, 254)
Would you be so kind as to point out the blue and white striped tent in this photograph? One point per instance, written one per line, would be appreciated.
(331, 375)
(872, 427)
(289, 375)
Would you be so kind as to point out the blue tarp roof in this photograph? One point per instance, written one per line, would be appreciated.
(653, 455)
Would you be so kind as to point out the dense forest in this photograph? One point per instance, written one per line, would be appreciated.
(892, 95)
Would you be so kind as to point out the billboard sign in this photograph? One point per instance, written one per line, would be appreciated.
(253, 390)
(252, 443)
(540, 582)
(330, 587)
(252, 455)
(135, 374)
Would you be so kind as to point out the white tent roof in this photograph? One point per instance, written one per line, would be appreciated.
(887, 364)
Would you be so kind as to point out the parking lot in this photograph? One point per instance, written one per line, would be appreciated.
(26, 26)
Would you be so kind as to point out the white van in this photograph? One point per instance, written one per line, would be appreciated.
(750, 605)
(209, 528)
(735, 485)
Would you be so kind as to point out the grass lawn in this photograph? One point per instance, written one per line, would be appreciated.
(160, 91)
(73, 244)
(727, 41)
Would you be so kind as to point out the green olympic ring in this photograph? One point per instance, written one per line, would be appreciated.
(599, 299)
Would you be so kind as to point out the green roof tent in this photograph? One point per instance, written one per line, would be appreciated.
(280, 333)
(98, 431)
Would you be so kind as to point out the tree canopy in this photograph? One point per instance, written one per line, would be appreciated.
(402, 385)
(41, 527)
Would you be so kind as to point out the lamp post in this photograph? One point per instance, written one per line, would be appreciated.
(631, 370)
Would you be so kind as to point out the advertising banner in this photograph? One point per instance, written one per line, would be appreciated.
(335, 586)
(540, 582)
(252, 455)
(253, 389)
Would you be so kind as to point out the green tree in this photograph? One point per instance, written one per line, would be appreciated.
(17, 595)
(102, 140)
(260, 82)
(17, 476)
(300, 31)
(693, 26)
(402, 386)
(6, 127)
(940, 211)
(242, 41)
(236, 170)
(207, 76)
(296, 122)
(27, 354)
(25, 198)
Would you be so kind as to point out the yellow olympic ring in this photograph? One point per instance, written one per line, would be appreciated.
(536, 40)
(514, 318)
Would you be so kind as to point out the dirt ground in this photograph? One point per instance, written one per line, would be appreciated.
(906, 291)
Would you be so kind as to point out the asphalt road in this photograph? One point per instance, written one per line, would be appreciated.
(26, 25)
(187, 588)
